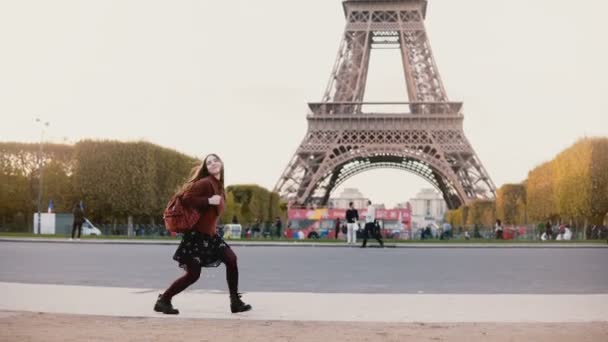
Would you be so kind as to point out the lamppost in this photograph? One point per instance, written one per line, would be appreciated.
(46, 124)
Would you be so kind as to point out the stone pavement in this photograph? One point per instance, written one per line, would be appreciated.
(285, 306)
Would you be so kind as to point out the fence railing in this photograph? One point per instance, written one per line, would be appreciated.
(527, 232)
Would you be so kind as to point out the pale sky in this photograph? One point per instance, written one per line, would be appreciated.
(234, 77)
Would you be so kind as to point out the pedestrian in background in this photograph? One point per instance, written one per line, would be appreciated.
(352, 217)
(202, 246)
(337, 229)
(372, 228)
(498, 229)
(78, 220)
(549, 231)
(278, 225)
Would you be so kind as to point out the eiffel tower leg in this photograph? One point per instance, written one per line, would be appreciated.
(297, 177)
(347, 82)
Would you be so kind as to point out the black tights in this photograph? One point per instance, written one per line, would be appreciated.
(193, 273)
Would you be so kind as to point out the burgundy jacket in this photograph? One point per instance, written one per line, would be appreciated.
(198, 197)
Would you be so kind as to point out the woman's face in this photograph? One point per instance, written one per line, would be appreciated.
(214, 165)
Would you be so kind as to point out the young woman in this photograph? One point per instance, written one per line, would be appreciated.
(202, 246)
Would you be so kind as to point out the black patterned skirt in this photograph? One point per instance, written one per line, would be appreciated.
(205, 249)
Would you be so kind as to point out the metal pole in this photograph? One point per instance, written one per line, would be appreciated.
(40, 176)
(39, 183)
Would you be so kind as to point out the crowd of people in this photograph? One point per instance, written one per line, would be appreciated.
(265, 230)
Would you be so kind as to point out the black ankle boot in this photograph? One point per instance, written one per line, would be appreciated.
(237, 305)
(164, 306)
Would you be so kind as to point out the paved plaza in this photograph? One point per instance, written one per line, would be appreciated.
(400, 291)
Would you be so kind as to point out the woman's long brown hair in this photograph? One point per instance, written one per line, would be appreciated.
(201, 171)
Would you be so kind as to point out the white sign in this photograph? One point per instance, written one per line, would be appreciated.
(47, 223)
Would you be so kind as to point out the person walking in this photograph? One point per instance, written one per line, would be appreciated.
(549, 231)
(278, 225)
(352, 217)
(337, 229)
(370, 226)
(202, 246)
(498, 229)
(78, 220)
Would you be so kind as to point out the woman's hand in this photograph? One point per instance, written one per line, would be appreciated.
(215, 200)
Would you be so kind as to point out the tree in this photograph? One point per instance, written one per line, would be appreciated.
(454, 217)
(232, 208)
(510, 203)
(599, 181)
(172, 169)
(256, 203)
(19, 173)
(573, 186)
(572, 179)
(274, 209)
(540, 196)
(58, 186)
(119, 179)
(481, 213)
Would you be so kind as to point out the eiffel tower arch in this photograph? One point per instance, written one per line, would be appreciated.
(347, 136)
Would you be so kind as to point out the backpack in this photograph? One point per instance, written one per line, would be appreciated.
(179, 219)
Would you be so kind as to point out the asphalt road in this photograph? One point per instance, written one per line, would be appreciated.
(322, 270)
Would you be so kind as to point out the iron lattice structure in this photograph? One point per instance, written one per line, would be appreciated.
(347, 136)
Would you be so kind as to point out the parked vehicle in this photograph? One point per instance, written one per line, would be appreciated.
(320, 223)
(89, 229)
(232, 231)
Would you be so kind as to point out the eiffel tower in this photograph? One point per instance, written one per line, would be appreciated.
(347, 136)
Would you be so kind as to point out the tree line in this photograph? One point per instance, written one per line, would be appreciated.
(117, 180)
(114, 180)
(571, 188)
